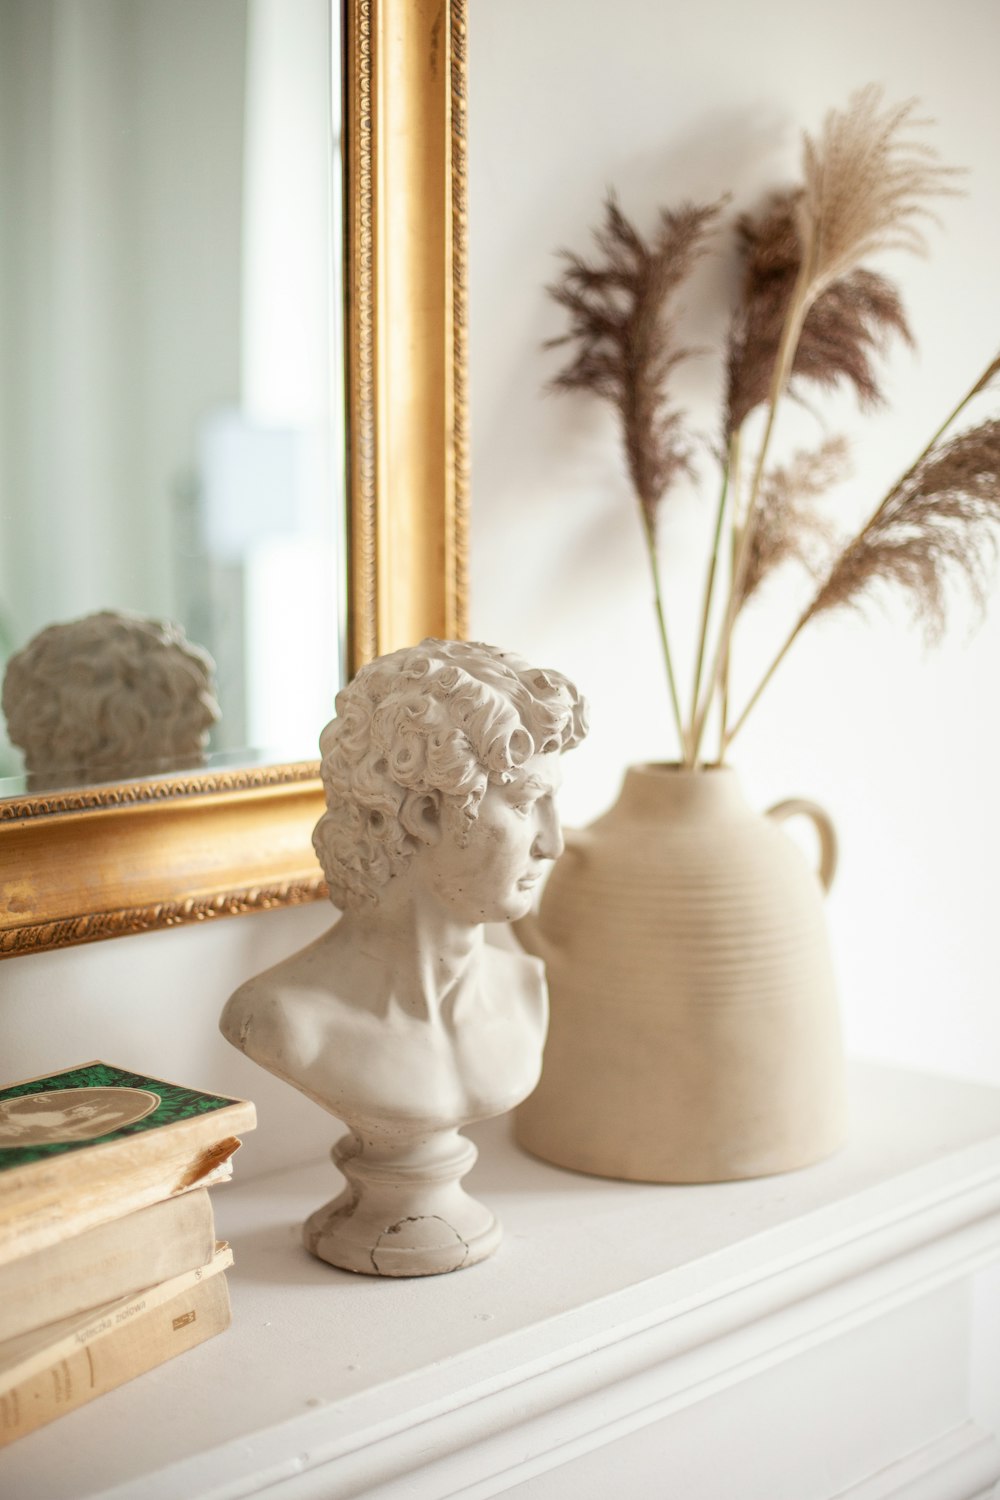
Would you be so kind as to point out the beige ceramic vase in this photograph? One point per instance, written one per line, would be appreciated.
(694, 1033)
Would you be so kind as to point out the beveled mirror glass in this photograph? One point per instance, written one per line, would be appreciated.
(171, 423)
(97, 861)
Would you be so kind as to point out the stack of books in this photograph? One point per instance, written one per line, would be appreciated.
(109, 1263)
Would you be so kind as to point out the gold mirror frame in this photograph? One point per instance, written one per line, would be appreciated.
(104, 861)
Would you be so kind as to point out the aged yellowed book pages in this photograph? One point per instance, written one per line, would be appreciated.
(155, 1336)
(36, 1351)
(103, 1264)
(92, 1143)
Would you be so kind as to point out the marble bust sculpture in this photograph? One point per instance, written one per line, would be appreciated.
(109, 696)
(440, 771)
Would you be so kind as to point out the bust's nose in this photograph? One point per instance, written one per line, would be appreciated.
(548, 842)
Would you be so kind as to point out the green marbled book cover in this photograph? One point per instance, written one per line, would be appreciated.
(90, 1105)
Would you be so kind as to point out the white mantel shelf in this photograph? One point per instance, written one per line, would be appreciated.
(798, 1336)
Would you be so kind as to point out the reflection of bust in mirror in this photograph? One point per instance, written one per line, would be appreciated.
(107, 697)
(440, 773)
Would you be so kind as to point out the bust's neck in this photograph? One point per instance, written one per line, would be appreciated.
(431, 955)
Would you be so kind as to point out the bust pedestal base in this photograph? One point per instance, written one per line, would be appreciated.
(403, 1211)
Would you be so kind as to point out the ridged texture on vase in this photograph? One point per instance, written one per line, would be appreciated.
(694, 1033)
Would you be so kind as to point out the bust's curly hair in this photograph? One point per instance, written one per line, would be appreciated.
(445, 718)
(112, 694)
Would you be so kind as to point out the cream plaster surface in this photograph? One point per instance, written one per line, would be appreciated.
(440, 769)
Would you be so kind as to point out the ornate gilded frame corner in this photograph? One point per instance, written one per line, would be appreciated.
(101, 862)
(94, 863)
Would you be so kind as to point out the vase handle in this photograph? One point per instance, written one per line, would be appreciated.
(799, 806)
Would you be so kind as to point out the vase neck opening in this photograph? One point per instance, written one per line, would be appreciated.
(655, 788)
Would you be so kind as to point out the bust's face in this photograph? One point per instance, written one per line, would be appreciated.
(494, 876)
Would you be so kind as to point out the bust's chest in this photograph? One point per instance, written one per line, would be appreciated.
(476, 1061)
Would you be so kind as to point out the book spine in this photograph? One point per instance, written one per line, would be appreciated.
(105, 1322)
(110, 1261)
(90, 1200)
(158, 1335)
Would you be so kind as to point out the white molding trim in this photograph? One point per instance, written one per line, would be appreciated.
(601, 1391)
(541, 1412)
(963, 1464)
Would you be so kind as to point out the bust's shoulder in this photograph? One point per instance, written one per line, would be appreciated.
(258, 1009)
(275, 1002)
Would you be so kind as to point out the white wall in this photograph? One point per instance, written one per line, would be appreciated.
(667, 102)
(152, 1002)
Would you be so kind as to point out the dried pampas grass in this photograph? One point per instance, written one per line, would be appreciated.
(788, 527)
(624, 339)
(940, 521)
(623, 334)
(812, 314)
(867, 186)
(847, 325)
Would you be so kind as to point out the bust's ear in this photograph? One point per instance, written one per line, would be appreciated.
(420, 815)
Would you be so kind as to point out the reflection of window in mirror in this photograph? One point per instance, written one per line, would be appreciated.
(167, 308)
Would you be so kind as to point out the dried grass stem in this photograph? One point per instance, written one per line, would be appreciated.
(941, 516)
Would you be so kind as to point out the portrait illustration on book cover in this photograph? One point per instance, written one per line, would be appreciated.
(79, 1114)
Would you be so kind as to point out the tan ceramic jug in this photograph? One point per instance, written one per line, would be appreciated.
(694, 1033)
